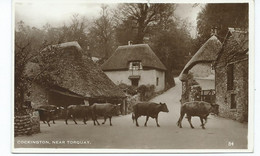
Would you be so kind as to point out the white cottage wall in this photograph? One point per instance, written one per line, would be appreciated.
(161, 80)
(146, 77)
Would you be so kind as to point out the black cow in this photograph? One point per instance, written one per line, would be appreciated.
(106, 110)
(78, 111)
(45, 115)
(54, 111)
(148, 109)
(197, 108)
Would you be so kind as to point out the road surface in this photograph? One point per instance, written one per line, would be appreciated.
(220, 133)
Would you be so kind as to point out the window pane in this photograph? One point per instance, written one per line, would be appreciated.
(230, 77)
(233, 101)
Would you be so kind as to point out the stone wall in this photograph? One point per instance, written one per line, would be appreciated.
(223, 96)
(27, 124)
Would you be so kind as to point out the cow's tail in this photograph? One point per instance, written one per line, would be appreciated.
(133, 117)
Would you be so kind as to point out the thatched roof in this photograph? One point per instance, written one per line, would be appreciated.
(81, 75)
(73, 44)
(138, 52)
(207, 53)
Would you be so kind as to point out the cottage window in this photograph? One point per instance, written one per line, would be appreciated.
(230, 77)
(233, 104)
(135, 65)
(157, 81)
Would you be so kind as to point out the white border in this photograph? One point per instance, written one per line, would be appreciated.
(251, 85)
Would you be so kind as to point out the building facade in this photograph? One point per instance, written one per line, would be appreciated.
(135, 65)
(231, 69)
(70, 79)
(200, 69)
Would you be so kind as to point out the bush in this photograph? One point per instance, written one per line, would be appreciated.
(128, 89)
(146, 92)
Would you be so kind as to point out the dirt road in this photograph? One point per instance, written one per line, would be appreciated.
(220, 133)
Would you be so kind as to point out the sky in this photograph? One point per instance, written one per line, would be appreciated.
(56, 14)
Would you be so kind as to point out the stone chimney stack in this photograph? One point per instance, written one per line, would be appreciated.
(214, 31)
(129, 42)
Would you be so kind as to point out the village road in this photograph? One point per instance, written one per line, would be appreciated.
(220, 133)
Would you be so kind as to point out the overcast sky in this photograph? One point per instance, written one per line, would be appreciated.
(56, 14)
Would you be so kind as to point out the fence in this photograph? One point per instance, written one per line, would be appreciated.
(208, 95)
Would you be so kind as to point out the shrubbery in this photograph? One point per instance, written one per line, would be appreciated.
(146, 92)
(131, 90)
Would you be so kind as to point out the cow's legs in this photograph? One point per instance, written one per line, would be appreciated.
(48, 120)
(74, 119)
(66, 120)
(180, 119)
(147, 117)
(202, 124)
(136, 122)
(156, 119)
(43, 121)
(189, 119)
(95, 120)
(110, 120)
(84, 120)
(105, 119)
(48, 123)
(206, 119)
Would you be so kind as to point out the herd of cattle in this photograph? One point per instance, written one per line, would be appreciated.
(201, 109)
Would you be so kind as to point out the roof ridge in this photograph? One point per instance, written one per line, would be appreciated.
(126, 53)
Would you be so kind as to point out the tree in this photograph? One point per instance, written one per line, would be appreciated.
(29, 47)
(221, 16)
(75, 31)
(172, 45)
(142, 18)
(101, 35)
(167, 35)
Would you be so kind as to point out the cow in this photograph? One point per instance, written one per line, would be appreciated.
(45, 115)
(107, 110)
(148, 109)
(78, 111)
(55, 111)
(197, 108)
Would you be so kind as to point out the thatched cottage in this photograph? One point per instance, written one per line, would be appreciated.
(231, 69)
(201, 68)
(135, 65)
(69, 78)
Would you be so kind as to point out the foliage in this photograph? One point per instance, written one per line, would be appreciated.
(191, 80)
(29, 48)
(131, 90)
(101, 35)
(221, 16)
(139, 19)
(146, 92)
(156, 25)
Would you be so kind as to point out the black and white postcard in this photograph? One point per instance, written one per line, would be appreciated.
(133, 76)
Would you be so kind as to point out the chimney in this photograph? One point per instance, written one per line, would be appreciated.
(129, 42)
(214, 31)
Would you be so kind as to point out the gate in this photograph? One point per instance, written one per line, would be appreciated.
(208, 95)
